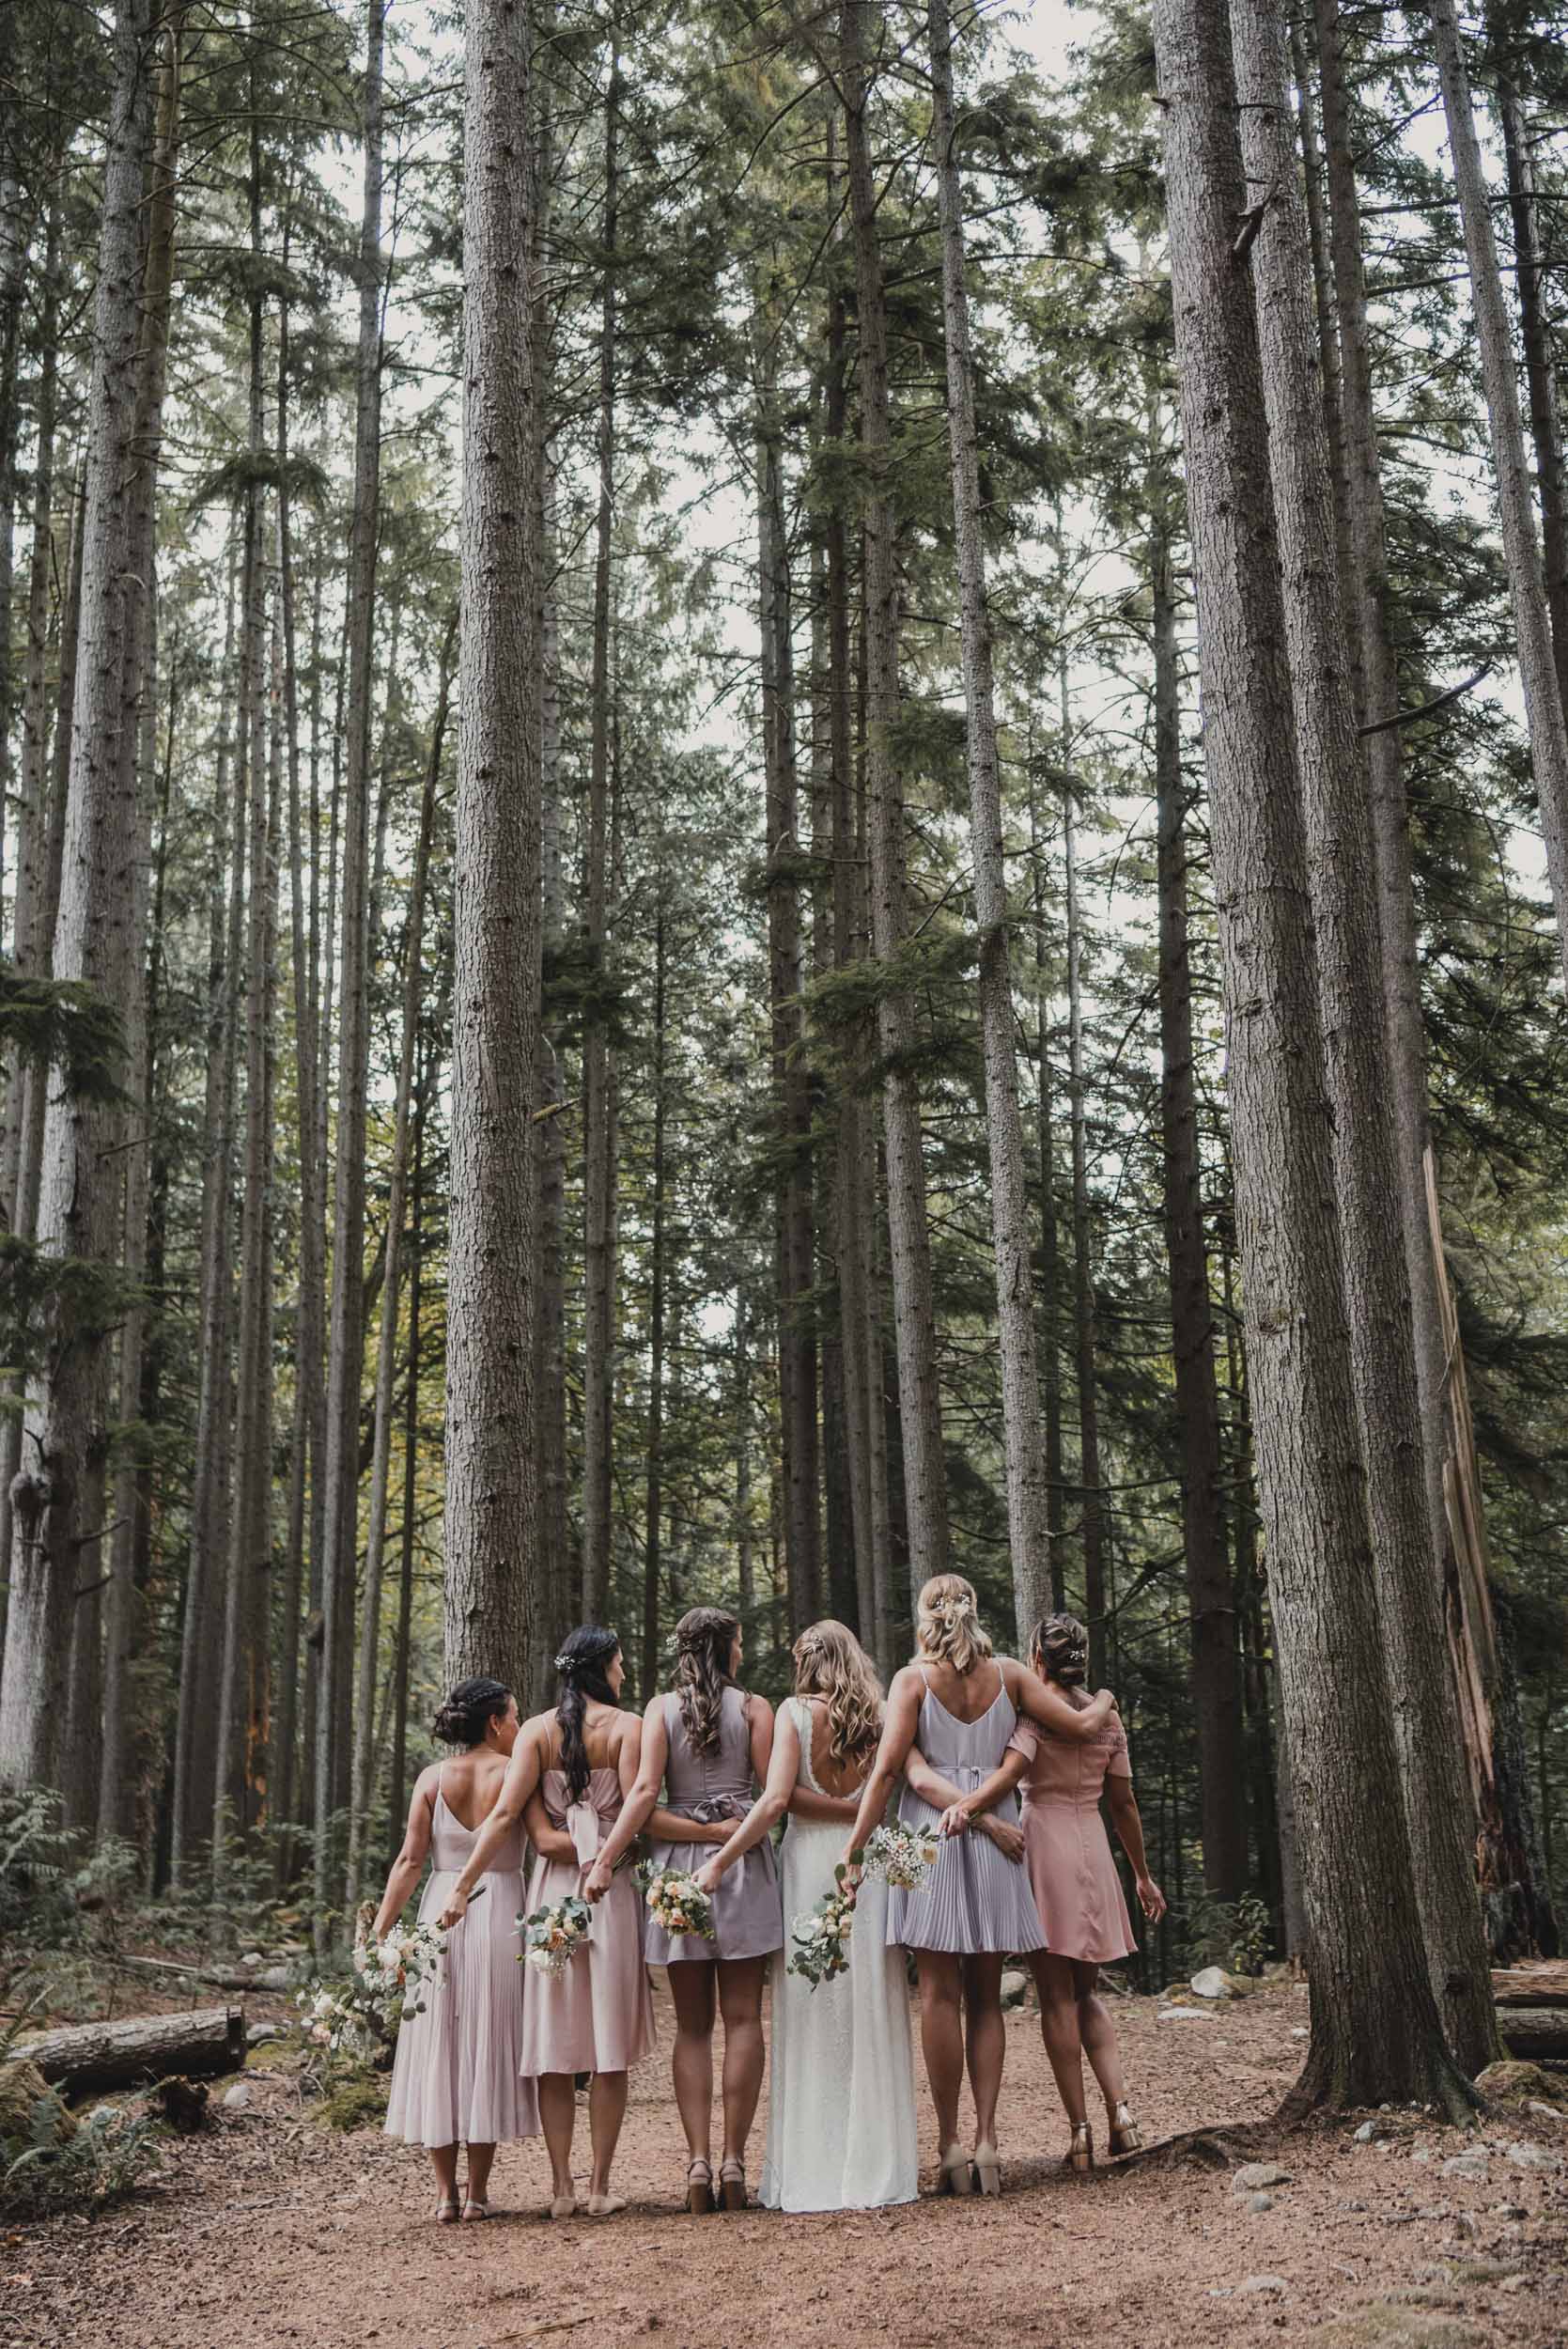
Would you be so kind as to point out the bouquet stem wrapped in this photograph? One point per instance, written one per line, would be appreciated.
(676, 1902)
(821, 1935)
(553, 1936)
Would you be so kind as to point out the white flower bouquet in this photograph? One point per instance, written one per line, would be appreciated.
(400, 1965)
(901, 1856)
(553, 1936)
(675, 1900)
(821, 1935)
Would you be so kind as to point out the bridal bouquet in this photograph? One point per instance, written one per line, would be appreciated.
(902, 1856)
(551, 1937)
(398, 1965)
(821, 1935)
(675, 1900)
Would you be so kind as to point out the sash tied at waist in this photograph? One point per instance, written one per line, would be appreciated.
(584, 1824)
(711, 1809)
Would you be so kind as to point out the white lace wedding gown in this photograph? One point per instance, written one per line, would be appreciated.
(840, 2109)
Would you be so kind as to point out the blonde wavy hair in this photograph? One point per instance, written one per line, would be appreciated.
(831, 1663)
(947, 1623)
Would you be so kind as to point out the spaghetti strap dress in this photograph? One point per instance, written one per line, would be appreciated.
(975, 1899)
(598, 2016)
(455, 2077)
(748, 1920)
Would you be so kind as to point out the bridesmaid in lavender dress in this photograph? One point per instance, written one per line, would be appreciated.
(708, 1744)
(598, 2016)
(454, 2076)
(1073, 1878)
(959, 1706)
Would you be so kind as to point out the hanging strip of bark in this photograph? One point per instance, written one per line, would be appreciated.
(1028, 1519)
(491, 1519)
(908, 1235)
(1377, 2031)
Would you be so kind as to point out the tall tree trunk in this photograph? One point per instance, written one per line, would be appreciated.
(1050, 1244)
(1028, 1519)
(397, 1806)
(909, 1236)
(599, 1076)
(653, 1488)
(197, 1707)
(1216, 1670)
(1091, 1495)
(1357, 1058)
(491, 1513)
(1543, 705)
(794, 1250)
(386, 1350)
(114, 1795)
(58, 1498)
(346, 1350)
(1376, 2030)
(1530, 271)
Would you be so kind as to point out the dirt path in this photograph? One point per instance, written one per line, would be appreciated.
(268, 2230)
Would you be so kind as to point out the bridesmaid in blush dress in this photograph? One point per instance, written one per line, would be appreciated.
(1074, 1879)
(707, 1743)
(958, 1704)
(455, 2077)
(598, 2016)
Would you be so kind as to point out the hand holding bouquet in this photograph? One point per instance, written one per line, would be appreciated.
(676, 1902)
(551, 1937)
(902, 1856)
(400, 1964)
(821, 1935)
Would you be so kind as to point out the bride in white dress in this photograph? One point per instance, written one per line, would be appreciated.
(841, 2111)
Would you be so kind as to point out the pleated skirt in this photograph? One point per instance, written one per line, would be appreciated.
(457, 2077)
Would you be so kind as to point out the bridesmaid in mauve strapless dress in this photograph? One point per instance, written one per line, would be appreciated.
(455, 2078)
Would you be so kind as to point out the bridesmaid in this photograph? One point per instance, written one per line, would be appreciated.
(455, 2078)
(1076, 1887)
(959, 1705)
(708, 1742)
(841, 2108)
(598, 2016)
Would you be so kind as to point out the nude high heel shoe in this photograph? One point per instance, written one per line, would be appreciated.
(955, 2172)
(699, 2188)
(987, 2170)
(1080, 2156)
(1125, 2135)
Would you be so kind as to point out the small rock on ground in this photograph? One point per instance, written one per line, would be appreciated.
(1263, 2283)
(238, 2098)
(1184, 2014)
(1258, 2203)
(1365, 2134)
(1014, 1988)
(1209, 1982)
(1253, 2174)
(1533, 2157)
(1472, 2164)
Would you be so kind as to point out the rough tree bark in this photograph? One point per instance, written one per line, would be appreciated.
(1090, 1498)
(491, 1512)
(1377, 2031)
(1356, 1048)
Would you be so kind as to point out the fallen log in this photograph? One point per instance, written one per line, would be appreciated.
(1533, 2032)
(127, 2055)
(1542, 1985)
(275, 1978)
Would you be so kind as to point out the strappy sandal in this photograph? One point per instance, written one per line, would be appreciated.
(955, 2172)
(1080, 2156)
(605, 2205)
(732, 2185)
(446, 2211)
(473, 2210)
(699, 2187)
(1125, 2135)
(987, 2170)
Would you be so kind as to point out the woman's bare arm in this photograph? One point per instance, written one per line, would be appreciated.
(1125, 1819)
(1047, 1705)
(409, 1863)
(549, 1841)
(768, 1810)
(639, 1806)
(898, 1736)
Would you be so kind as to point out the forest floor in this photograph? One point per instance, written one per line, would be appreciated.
(268, 2230)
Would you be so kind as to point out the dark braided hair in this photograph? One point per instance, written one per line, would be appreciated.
(469, 1710)
(704, 1638)
(584, 1660)
(1062, 1644)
